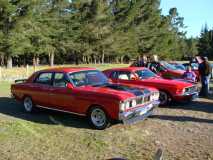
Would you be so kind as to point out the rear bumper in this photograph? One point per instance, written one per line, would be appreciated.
(138, 114)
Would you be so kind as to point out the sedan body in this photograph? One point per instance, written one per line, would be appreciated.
(169, 89)
(86, 92)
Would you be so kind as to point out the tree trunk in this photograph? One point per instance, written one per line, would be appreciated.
(37, 60)
(2, 60)
(102, 58)
(34, 61)
(87, 59)
(95, 61)
(122, 57)
(9, 62)
(52, 56)
(117, 59)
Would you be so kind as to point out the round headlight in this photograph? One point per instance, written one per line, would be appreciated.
(127, 105)
(122, 107)
(157, 95)
(134, 103)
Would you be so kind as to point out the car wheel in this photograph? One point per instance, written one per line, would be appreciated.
(28, 104)
(164, 98)
(98, 118)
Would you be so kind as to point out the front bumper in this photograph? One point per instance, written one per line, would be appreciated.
(138, 114)
(185, 97)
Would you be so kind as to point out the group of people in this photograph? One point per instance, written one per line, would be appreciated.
(204, 69)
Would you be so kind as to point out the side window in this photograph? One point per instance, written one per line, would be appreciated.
(114, 75)
(124, 75)
(59, 80)
(44, 78)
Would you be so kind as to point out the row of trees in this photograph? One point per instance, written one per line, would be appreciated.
(88, 31)
(205, 42)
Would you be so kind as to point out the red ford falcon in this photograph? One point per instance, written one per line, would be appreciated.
(86, 92)
(169, 89)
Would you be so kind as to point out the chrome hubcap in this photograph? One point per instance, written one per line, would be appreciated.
(28, 105)
(98, 117)
(163, 98)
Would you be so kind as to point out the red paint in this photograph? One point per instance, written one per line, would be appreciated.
(71, 98)
(173, 87)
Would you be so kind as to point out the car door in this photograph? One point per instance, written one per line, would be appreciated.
(40, 89)
(61, 95)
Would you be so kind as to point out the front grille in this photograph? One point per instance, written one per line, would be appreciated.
(191, 89)
(143, 99)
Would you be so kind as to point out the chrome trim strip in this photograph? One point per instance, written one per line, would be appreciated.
(60, 110)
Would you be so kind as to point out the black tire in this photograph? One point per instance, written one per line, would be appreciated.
(164, 98)
(98, 118)
(28, 104)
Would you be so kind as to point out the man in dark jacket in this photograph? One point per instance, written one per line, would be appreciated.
(205, 72)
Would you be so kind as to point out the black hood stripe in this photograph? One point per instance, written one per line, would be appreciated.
(133, 90)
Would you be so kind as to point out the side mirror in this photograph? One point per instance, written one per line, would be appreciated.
(69, 86)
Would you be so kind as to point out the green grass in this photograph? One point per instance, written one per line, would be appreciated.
(52, 135)
(4, 88)
(22, 72)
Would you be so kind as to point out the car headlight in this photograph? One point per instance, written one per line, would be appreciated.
(122, 107)
(134, 103)
(127, 105)
(157, 94)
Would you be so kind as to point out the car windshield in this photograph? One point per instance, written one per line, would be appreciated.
(145, 74)
(90, 77)
(194, 66)
(180, 66)
(169, 66)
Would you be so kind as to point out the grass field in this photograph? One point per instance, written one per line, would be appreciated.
(53, 135)
(183, 132)
(23, 72)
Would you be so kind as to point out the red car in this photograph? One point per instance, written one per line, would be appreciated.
(169, 89)
(86, 92)
(165, 70)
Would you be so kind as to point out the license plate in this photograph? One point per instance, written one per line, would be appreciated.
(146, 109)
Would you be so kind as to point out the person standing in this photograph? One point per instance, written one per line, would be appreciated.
(141, 62)
(189, 74)
(205, 72)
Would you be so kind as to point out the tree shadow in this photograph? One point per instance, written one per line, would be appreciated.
(12, 108)
(182, 118)
(195, 106)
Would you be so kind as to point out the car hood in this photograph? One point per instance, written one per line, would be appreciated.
(117, 91)
(168, 82)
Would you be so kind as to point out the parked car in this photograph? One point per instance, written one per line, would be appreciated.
(165, 70)
(169, 89)
(178, 66)
(86, 92)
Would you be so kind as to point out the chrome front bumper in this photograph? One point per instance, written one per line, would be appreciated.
(138, 114)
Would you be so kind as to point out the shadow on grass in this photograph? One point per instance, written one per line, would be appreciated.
(182, 118)
(200, 106)
(10, 107)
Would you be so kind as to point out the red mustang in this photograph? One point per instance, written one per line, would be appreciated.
(169, 89)
(86, 92)
(165, 70)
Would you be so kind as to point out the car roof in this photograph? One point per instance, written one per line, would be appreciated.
(127, 69)
(67, 69)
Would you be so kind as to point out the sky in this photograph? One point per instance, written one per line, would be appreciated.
(196, 13)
